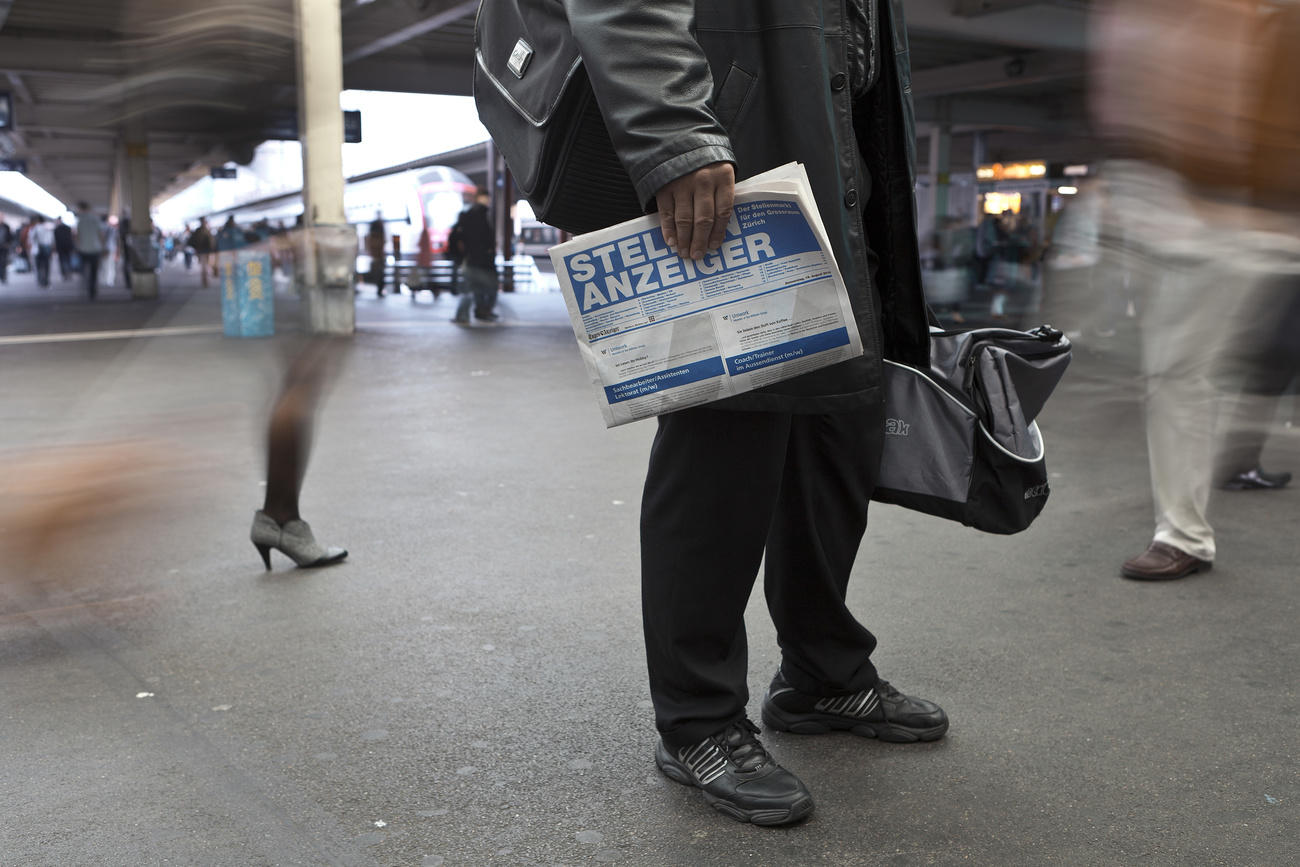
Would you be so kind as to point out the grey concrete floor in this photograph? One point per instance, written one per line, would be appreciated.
(468, 687)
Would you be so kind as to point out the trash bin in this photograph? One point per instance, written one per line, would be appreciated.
(247, 297)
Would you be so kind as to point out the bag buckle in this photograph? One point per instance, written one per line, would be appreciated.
(519, 58)
(1047, 333)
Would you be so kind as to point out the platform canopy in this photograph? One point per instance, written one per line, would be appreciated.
(203, 82)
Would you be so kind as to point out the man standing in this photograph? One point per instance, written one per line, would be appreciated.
(477, 250)
(694, 95)
(90, 245)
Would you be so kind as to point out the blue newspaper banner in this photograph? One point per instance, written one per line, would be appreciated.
(641, 264)
(247, 299)
(709, 368)
(770, 355)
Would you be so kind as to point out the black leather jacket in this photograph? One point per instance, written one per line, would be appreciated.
(685, 83)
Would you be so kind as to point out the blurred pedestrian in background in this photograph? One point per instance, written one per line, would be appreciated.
(1199, 99)
(112, 251)
(43, 242)
(90, 246)
(6, 248)
(122, 249)
(949, 260)
(24, 246)
(64, 247)
(202, 243)
(230, 237)
(186, 250)
(375, 250)
(1269, 363)
(477, 249)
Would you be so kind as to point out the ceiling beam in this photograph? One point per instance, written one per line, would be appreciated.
(973, 8)
(411, 76)
(1001, 72)
(453, 11)
(19, 86)
(990, 112)
(1039, 26)
(25, 56)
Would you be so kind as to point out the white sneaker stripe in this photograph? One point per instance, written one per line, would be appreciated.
(857, 705)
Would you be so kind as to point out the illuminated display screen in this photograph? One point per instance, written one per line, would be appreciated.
(1011, 172)
(1000, 203)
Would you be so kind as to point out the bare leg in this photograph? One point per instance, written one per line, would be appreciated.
(289, 433)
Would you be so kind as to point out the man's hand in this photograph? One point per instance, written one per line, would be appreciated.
(695, 208)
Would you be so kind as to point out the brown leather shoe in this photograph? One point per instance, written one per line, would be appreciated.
(1161, 562)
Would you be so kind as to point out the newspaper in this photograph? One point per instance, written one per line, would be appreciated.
(661, 333)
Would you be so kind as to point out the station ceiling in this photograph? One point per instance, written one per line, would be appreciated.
(202, 81)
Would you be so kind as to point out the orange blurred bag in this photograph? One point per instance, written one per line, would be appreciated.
(1210, 88)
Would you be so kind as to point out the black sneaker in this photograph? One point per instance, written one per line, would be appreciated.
(1257, 480)
(738, 777)
(880, 712)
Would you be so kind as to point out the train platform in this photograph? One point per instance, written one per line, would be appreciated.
(468, 687)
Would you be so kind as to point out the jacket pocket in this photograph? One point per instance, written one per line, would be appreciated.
(732, 95)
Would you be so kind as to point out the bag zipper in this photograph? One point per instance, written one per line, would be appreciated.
(1044, 333)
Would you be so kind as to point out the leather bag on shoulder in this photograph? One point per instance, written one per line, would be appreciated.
(534, 97)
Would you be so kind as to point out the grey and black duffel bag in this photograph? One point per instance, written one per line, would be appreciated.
(960, 438)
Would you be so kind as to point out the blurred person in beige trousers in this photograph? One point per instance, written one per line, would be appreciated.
(1199, 100)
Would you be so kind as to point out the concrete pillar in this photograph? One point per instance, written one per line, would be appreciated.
(328, 245)
(498, 206)
(979, 156)
(940, 171)
(116, 194)
(143, 264)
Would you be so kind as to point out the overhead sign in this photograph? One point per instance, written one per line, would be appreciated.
(283, 125)
(6, 110)
(223, 173)
(13, 166)
(352, 127)
(1012, 172)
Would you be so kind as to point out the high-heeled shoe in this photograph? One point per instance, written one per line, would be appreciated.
(294, 540)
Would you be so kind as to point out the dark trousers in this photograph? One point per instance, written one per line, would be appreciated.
(1263, 367)
(90, 263)
(722, 489)
(65, 263)
(4, 264)
(43, 266)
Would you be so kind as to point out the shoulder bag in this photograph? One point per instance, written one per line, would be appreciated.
(961, 440)
(534, 98)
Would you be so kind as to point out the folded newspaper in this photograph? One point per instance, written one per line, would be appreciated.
(661, 333)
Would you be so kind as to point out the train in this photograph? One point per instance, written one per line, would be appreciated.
(409, 202)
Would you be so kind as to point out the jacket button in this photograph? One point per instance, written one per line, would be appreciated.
(850, 198)
(838, 81)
